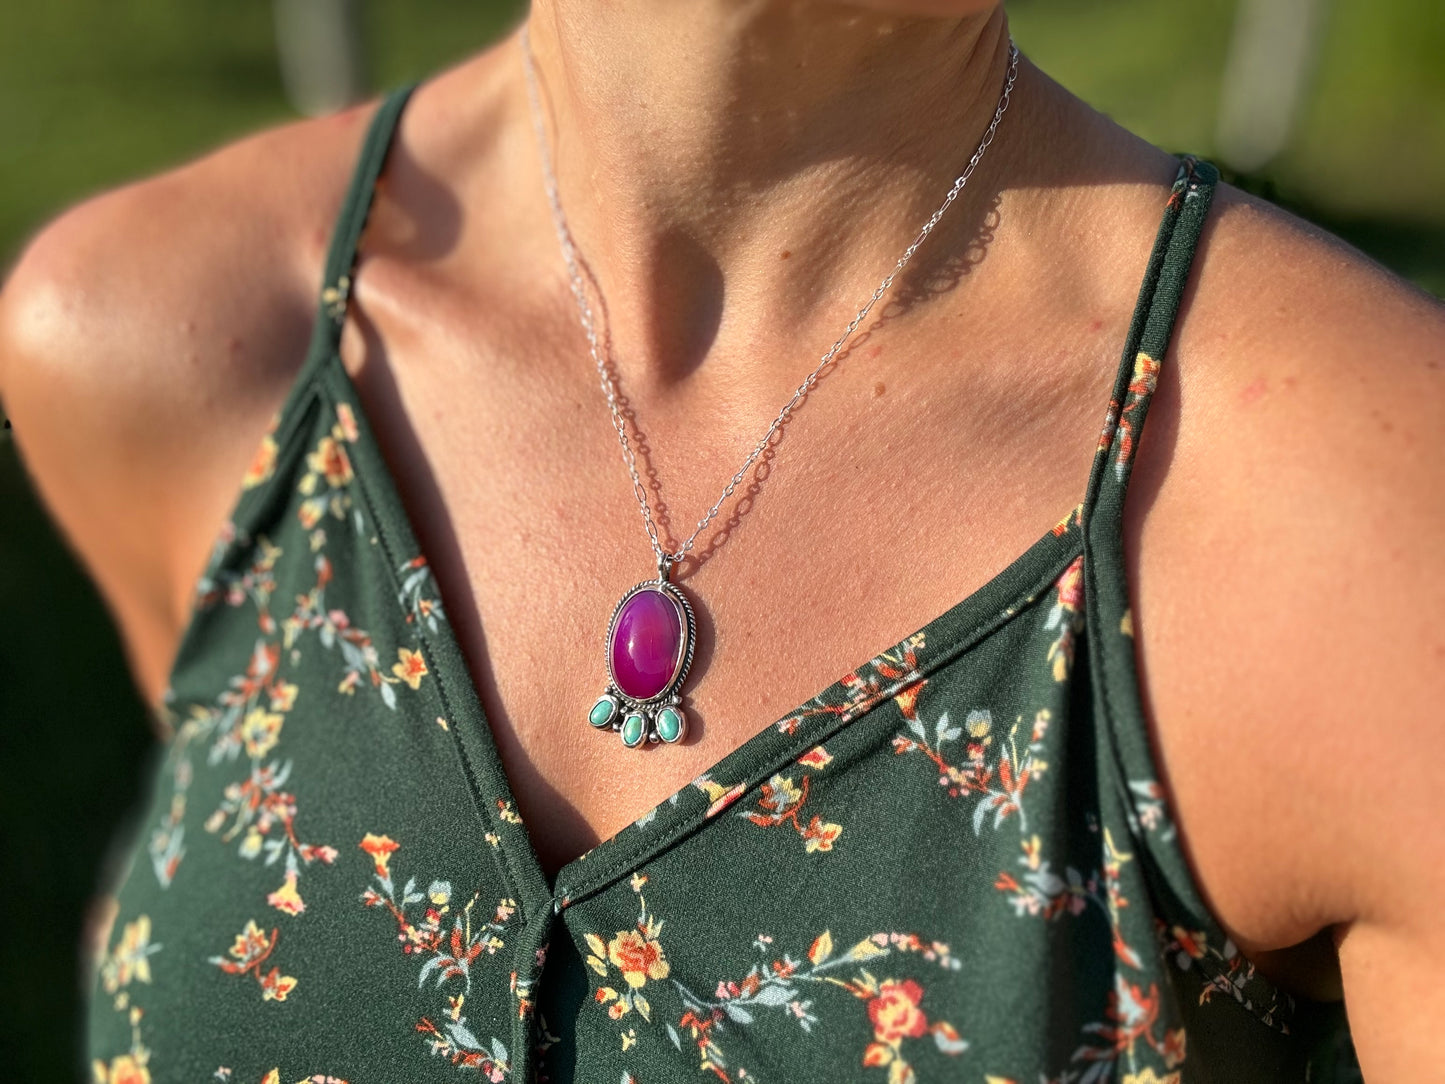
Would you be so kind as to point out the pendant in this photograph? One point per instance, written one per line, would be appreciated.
(649, 649)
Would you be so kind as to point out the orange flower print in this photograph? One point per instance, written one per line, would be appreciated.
(411, 667)
(893, 1008)
(798, 986)
(124, 1069)
(346, 422)
(1173, 1047)
(310, 512)
(381, 849)
(816, 757)
(1071, 585)
(263, 464)
(638, 957)
(895, 1013)
(1146, 375)
(330, 459)
(907, 699)
(781, 800)
(253, 947)
(1067, 617)
(1141, 386)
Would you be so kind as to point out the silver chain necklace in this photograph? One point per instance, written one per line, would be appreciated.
(651, 635)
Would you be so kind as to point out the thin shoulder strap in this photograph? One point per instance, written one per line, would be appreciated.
(346, 235)
(1150, 331)
(1124, 746)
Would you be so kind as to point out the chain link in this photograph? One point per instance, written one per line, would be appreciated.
(609, 386)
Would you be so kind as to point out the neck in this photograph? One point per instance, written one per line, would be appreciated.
(772, 153)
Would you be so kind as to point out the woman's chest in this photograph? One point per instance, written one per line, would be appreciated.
(873, 514)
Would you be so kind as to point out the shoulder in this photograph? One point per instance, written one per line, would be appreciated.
(1284, 527)
(146, 336)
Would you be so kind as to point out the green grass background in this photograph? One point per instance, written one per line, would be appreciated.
(94, 92)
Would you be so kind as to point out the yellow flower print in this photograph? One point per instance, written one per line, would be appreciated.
(334, 298)
(720, 796)
(311, 511)
(330, 459)
(638, 957)
(275, 986)
(124, 1069)
(819, 836)
(597, 961)
(411, 668)
(263, 464)
(283, 696)
(260, 731)
(130, 959)
(780, 795)
(381, 849)
(1149, 1076)
(286, 898)
(250, 844)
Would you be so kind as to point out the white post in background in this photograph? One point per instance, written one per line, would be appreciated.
(320, 49)
(1271, 58)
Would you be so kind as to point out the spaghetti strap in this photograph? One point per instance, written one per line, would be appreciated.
(1150, 331)
(1125, 749)
(346, 235)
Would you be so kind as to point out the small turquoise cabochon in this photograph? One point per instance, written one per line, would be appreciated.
(669, 724)
(634, 729)
(603, 712)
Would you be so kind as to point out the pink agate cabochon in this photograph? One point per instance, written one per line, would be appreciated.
(649, 637)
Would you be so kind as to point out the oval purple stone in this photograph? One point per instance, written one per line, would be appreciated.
(647, 644)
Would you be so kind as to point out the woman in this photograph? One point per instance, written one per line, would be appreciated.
(958, 862)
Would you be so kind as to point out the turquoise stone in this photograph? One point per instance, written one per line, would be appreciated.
(669, 724)
(634, 729)
(602, 712)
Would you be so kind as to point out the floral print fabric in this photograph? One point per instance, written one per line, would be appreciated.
(956, 863)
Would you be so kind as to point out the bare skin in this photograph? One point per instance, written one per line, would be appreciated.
(1282, 525)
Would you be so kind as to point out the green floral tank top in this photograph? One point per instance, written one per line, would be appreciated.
(955, 864)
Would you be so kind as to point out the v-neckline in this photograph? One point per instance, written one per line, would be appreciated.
(770, 748)
(755, 759)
